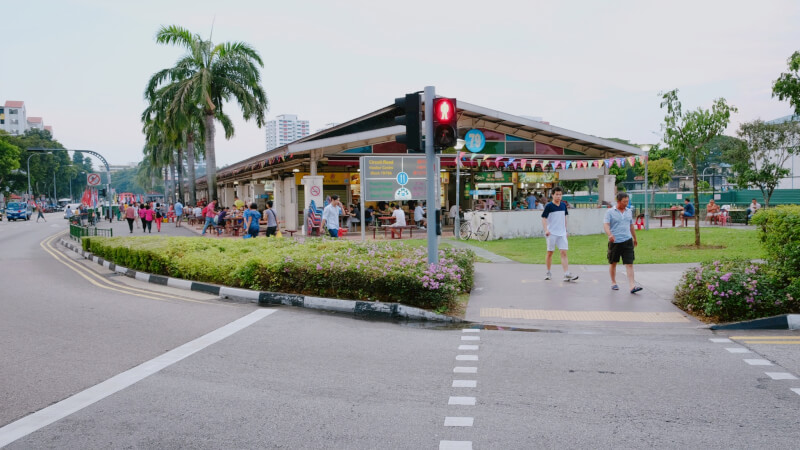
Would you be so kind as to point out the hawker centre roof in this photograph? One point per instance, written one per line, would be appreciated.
(374, 133)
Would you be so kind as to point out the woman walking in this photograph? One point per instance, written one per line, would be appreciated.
(130, 216)
(159, 217)
(141, 217)
(148, 218)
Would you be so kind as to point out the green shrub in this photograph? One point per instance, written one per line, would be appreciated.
(392, 272)
(732, 290)
(779, 230)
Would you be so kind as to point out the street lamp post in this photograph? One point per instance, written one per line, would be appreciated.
(646, 148)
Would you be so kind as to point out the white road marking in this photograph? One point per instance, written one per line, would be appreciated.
(465, 383)
(758, 362)
(471, 330)
(720, 340)
(458, 421)
(466, 357)
(465, 370)
(467, 347)
(71, 405)
(470, 338)
(738, 350)
(796, 390)
(465, 401)
(781, 375)
(455, 445)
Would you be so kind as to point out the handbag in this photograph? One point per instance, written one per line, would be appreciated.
(278, 234)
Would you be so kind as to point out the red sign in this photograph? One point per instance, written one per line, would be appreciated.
(315, 191)
(93, 179)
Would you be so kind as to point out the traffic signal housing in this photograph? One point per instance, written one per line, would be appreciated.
(102, 192)
(445, 123)
(411, 117)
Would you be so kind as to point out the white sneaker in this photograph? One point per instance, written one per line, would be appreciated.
(570, 277)
(547, 276)
(422, 228)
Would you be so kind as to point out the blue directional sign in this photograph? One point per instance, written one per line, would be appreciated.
(402, 178)
(475, 140)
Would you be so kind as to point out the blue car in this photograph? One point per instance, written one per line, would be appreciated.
(18, 211)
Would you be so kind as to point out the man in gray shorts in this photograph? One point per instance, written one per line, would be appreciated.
(618, 225)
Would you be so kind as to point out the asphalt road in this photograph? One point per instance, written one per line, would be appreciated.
(291, 378)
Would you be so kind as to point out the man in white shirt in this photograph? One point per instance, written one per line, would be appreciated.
(419, 217)
(330, 217)
(399, 217)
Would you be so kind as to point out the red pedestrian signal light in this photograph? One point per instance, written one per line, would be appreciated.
(445, 123)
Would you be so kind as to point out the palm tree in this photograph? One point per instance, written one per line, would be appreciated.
(207, 76)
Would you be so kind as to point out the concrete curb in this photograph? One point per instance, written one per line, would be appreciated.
(362, 309)
(782, 322)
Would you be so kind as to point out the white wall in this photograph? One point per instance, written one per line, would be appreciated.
(527, 223)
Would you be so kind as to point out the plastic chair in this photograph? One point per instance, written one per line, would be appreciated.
(639, 222)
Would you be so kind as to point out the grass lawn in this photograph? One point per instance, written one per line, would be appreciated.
(659, 246)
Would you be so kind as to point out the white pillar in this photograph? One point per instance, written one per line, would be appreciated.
(290, 203)
(606, 189)
(312, 190)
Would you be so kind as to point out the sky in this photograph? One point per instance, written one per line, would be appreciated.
(596, 67)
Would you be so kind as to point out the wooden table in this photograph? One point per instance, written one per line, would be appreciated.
(674, 211)
(388, 219)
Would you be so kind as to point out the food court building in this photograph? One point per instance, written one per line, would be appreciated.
(520, 156)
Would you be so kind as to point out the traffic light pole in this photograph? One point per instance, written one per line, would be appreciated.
(430, 157)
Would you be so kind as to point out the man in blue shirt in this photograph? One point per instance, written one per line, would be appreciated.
(178, 213)
(554, 223)
(618, 225)
(330, 217)
(531, 200)
(251, 218)
(688, 212)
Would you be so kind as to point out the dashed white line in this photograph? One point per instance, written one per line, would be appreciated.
(796, 390)
(720, 340)
(458, 421)
(465, 370)
(465, 383)
(467, 347)
(758, 362)
(455, 445)
(466, 357)
(738, 350)
(464, 401)
(471, 330)
(470, 338)
(781, 375)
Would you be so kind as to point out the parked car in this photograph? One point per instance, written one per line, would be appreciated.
(18, 211)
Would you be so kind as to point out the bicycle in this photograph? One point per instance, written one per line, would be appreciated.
(481, 233)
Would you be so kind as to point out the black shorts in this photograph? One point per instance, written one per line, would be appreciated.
(617, 250)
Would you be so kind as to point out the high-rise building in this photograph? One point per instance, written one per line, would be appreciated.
(284, 129)
(14, 119)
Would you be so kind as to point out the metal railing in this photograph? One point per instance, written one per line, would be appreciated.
(76, 232)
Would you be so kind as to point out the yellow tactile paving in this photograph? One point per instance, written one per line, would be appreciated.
(772, 340)
(584, 316)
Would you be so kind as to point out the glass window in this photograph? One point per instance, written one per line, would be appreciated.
(547, 149)
(514, 138)
(520, 147)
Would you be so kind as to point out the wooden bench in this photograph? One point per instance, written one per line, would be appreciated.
(661, 218)
(395, 231)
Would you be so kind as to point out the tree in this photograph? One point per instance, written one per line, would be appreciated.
(687, 133)
(9, 162)
(760, 158)
(572, 186)
(787, 86)
(208, 76)
(659, 172)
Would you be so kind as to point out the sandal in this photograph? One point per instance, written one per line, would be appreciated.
(614, 287)
(636, 289)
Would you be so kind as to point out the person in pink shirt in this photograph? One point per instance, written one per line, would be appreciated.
(149, 215)
(141, 217)
(209, 212)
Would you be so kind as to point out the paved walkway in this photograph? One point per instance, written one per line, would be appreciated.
(518, 295)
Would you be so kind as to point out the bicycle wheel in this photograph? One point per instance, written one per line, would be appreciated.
(466, 231)
(482, 233)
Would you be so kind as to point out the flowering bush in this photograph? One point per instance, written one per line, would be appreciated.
(734, 290)
(393, 272)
